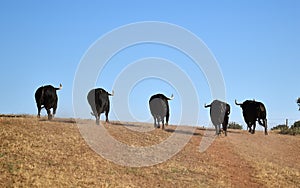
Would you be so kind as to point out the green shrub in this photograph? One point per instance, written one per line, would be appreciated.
(279, 127)
(294, 130)
(233, 125)
(296, 124)
(291, 131)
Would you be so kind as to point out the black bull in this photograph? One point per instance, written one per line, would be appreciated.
(219, 114)
(159, 108)
(99, 102)
(46, 97)
(254, 111)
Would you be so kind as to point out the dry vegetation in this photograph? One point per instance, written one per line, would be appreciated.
(41, 153)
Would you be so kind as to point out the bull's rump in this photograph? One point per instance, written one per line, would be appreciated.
(253, 110)
(217, 112)
(158, 107)
(46, 95)
(98, 100)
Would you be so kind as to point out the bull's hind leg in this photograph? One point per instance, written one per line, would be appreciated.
(266, 126)
(254, 126)
(167, 118)
(158, 122)
(54, 110)
(224, 126)
(39, 110)
(49, 114)
(97, 119)
(249, 127)
(217, 128)
(154, 122)
(106, 115)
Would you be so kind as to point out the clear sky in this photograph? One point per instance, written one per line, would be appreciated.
(256, 44)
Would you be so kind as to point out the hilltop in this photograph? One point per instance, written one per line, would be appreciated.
(41, 153)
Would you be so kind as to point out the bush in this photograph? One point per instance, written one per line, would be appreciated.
(296, 124)
(291, 131)
(279, 127)
(234, 125)
(294, 130)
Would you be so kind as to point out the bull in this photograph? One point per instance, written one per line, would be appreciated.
(219, 114)
(46, 97)
(254, 111)
(98, 99)
(159, 108)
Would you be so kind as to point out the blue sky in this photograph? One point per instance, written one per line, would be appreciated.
(256, 44)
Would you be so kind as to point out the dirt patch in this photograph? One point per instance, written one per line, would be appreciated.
(44, 153)
(274, 157)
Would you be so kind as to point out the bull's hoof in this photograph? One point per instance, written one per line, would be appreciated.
(50, 117)
(158, 126)
(97, 122)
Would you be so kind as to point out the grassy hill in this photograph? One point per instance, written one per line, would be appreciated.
(40, 153)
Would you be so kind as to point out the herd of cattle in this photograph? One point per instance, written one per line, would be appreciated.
(98, 99)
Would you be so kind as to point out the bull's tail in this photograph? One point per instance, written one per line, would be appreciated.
(59, 88)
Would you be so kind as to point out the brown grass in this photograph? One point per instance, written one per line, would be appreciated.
(43, 153)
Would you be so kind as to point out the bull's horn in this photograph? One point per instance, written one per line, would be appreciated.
(59, 88)
(237, 103)
(172, 97)
(205, 106)
(112, 93)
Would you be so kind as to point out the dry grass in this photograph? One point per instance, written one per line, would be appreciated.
(40, 153)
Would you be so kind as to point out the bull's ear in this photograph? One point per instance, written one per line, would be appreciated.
(112, 93)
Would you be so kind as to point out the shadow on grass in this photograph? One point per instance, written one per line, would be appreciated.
(123, 124)
(183, 132)
(231, 131)
(72, 121)
(234, 132)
